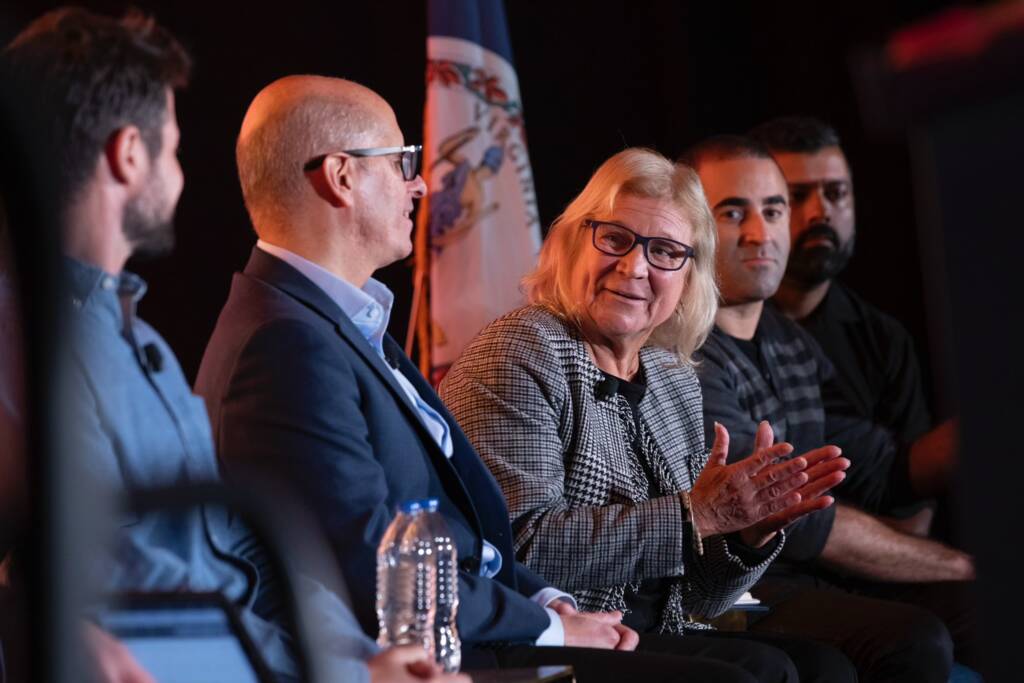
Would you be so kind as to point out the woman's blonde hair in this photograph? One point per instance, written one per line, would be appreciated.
(635, 172)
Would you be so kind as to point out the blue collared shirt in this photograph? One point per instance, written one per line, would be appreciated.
(131, 421)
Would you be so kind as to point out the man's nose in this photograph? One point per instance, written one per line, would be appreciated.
(418, 187)
(818, 208)
(754, 230)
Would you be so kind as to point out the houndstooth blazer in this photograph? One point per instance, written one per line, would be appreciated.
(525, 393)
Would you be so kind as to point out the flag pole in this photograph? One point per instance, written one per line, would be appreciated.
(419, 318)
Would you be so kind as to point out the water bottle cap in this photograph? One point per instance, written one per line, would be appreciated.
(410, 506)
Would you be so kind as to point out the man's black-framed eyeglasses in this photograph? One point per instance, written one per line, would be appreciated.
(410, 157)
(618, 240)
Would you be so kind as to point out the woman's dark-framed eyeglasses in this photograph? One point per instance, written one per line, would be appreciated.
(618, 240)
(410, 157)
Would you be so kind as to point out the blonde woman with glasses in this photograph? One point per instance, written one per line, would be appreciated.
(585, 407)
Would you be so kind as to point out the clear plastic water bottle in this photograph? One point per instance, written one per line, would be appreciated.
(407, 580)
(448, 647)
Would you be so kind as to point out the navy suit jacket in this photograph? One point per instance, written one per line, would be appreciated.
(294, 391)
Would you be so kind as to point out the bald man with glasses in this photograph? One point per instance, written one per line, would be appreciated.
(304, 384)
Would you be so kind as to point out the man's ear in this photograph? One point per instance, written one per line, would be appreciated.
(126, 156)
(334, 180)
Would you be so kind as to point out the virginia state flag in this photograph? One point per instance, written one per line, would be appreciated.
(479, 226)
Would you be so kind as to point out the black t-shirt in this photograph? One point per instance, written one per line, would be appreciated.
(749, 349)
(874, 359)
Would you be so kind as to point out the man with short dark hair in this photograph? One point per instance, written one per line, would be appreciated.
(102, 94)
(757, 365)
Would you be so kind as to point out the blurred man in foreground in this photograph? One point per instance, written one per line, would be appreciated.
(103, 92)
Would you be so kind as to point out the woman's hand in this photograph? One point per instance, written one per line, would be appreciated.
(759, 495)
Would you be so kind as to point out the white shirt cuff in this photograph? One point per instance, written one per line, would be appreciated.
(553, 635)
(546, 596)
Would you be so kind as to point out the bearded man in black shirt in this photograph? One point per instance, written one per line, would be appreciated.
(876, 365)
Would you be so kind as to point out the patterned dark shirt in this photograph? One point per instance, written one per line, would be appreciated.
(784, 377)
(784, 387)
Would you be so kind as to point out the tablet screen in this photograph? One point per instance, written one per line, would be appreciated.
(182, 645)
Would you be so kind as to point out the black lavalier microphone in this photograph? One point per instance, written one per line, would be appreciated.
(606, 388)
(154, 358)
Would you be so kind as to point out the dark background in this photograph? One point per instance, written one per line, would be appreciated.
(594, 77)
(663, 74)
